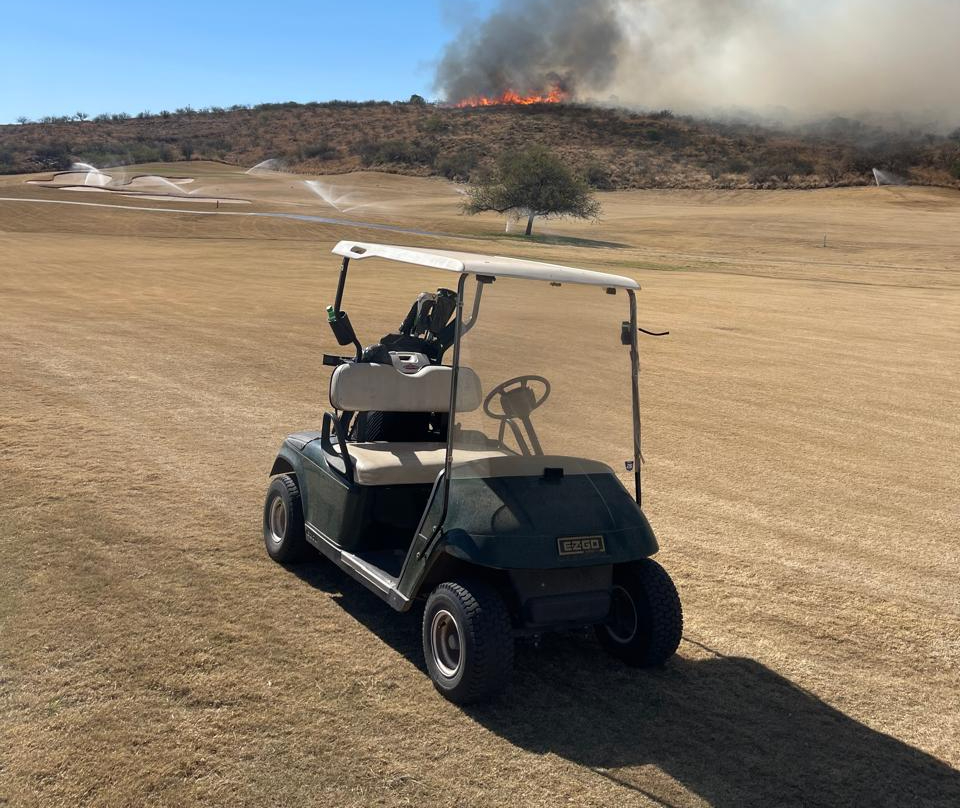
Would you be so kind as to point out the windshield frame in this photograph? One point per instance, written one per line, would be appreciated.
(463, 328)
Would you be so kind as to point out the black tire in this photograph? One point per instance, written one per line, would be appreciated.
(646, 619)
(467, 640)
(283, 532)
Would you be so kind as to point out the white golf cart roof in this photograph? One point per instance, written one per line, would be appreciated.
(476, 264)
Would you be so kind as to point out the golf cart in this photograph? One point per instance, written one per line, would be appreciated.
(452, 470)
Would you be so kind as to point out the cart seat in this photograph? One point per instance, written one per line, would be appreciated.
(368, 387)
(387, 463)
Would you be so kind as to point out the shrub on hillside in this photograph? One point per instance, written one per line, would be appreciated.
(322, 150)
(774, 169)
(770, 172)
(116, 153)
(718, 167)
(400, 152)
(735, 165)
(459, 165)
(897, 157)
(835, 169)
(599, 176)
(434, 125)
(53, 155)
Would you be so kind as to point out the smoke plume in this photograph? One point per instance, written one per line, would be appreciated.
(808, 58)
(534, 46)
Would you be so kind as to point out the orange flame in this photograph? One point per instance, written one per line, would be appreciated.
(554, 96)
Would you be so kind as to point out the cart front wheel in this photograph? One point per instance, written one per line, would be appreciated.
(467, 641)
(646, 620)
(283, 532)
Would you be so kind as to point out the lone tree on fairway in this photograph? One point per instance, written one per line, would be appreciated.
(533, 182)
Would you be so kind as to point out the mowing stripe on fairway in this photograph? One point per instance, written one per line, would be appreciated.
(304, 217)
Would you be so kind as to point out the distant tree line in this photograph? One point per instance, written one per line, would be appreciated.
(116, 117)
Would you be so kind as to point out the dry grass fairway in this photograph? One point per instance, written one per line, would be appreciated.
(801, 431)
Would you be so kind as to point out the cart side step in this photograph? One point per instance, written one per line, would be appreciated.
(378, 581)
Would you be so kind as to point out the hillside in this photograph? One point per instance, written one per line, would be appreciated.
(615, 149)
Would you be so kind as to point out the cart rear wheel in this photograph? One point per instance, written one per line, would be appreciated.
(467, 640)
(646, 620)
(283, 532)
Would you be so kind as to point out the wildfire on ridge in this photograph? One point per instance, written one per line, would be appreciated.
(555, 95)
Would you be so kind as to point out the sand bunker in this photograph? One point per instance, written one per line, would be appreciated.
(82, 177)
(93, 178)
(157, 183)
(154, 196)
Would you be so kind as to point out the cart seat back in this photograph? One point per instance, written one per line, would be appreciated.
(368, 387)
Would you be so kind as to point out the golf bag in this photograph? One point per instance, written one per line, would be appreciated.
(429, 329)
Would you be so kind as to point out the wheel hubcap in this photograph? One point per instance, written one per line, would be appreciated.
(445, 643)
(278, 520)
(623, 621)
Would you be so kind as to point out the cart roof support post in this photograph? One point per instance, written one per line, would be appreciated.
(635, 394)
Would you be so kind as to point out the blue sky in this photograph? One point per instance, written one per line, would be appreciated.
(57, 58)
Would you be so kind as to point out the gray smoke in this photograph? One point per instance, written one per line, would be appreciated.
(533, 46)
(808, 57)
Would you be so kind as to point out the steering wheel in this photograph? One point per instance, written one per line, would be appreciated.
(517, 398)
